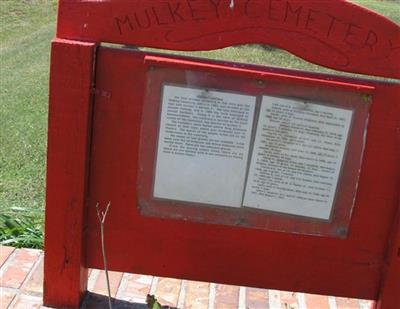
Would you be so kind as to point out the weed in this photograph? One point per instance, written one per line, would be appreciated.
(20, 232)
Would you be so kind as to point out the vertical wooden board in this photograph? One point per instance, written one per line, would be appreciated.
(69, 129)
(257, 82)
(210, 252)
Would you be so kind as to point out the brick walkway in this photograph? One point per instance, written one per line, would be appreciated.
(21, 277)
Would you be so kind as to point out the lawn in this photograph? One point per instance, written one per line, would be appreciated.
(26, 28)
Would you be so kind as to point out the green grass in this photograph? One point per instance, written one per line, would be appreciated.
(23, 231)
(26, 28)
(390, 9)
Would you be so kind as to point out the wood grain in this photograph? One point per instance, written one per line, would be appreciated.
(70, 115)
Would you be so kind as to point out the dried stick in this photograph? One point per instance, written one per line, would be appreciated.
(102, 218)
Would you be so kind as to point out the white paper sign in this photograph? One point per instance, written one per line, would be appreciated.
(297, 157)
(203, 145)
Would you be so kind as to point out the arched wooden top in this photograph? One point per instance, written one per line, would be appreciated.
(333, 33)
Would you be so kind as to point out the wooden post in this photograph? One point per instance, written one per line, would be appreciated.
(389, 296)
(69, 132)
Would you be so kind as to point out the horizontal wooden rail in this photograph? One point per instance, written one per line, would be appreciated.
(336, 34)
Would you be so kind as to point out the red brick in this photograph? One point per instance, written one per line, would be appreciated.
(100, 286)
(347, 303)
(25, 301)
(256, 298)
(5, 253)
(20, 265)
(6, 297)
(136, 289)
(35, 282)
(316, 301)
(226, 297)
(289, 300)
(196, 295)
(167, 291)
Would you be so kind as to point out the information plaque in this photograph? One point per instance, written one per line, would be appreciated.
(225, 150)
(297, 157)
(205, 137)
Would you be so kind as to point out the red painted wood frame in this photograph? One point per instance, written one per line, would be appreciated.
(96, 99)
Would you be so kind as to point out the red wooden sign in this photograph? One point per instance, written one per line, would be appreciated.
(106, 126)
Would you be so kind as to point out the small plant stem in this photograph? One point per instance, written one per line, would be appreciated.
(102, 218)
